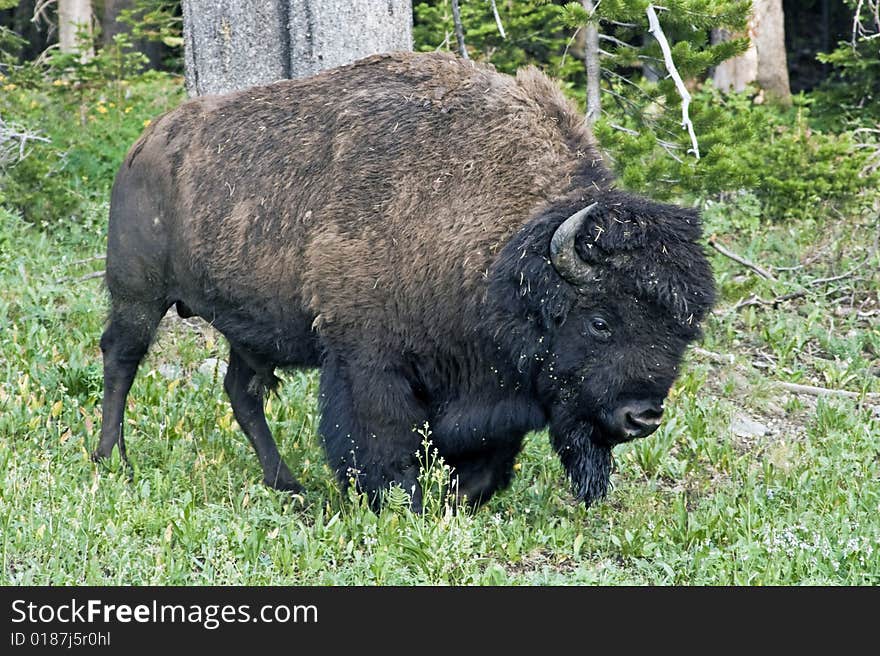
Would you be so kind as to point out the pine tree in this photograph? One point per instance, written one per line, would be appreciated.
(641, 105)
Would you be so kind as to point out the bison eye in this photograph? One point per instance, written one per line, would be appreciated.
(599, 328)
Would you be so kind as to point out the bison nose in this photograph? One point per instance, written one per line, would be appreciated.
(638, 419)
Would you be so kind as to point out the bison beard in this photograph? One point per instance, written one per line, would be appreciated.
(443, 241)
(587, 464)
(586, 458)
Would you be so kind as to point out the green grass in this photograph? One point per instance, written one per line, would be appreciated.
(693, 504)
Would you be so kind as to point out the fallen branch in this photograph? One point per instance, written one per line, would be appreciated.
(87, 259)
(741, 260)
(754, 299)
(657, 31)
(819, 281)
(714, 357)
(88, 276)
(14, 140)
(812, 390)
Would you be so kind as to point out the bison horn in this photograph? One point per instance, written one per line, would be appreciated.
(562, 252)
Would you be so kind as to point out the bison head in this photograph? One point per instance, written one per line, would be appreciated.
(613, 293)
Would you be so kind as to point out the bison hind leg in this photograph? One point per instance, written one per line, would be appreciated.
(124, 343)
(183, 310)
(245, 383)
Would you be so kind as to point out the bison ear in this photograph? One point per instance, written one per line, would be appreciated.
(524, 283)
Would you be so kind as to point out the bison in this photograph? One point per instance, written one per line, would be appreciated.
(444, 241)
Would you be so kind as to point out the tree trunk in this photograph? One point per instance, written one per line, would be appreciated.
(769, 40)
(236, 44)
(74, 17)
(736, 73)
(328, 33)
(591, 59)
(765, 61)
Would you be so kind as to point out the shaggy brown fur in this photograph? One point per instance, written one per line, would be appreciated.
(356, 221)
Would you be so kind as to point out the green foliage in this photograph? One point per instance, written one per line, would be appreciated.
(535, 32)
(694, 504)
(159, 21)
(849, 98)
(155, 20)
(91, 111)
(793, 168)
(789, 160)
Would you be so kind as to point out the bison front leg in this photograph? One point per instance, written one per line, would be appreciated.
(477, 476)
(368, 421)
(245, 383)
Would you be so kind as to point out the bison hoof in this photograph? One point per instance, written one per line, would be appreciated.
(99, 457)
(285, 486)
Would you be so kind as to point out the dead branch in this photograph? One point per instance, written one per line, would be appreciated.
(754, 299)
(741, 260)
(41, 9)
(620, 128)
(459, 29)
(714, 357)
(820, 281)
(657, 31)
(444, 43)
(88, 276)
(857, 24)
(614, 40)
(668, 148)
(13, 142)
(498, 20)
(813, 390)
(85, 260)
(567, 46)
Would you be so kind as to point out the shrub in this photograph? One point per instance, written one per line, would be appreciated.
(91, 113)
(791, 167)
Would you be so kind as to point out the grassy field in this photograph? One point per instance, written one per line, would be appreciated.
(745, 483)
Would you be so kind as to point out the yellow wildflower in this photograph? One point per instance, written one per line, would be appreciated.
(127, 110)
(101, 109)
(147, 123)
(10, 87)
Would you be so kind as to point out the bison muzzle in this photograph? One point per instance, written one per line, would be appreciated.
(442, 240)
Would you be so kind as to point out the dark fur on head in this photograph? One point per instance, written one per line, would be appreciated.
(648, 272)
